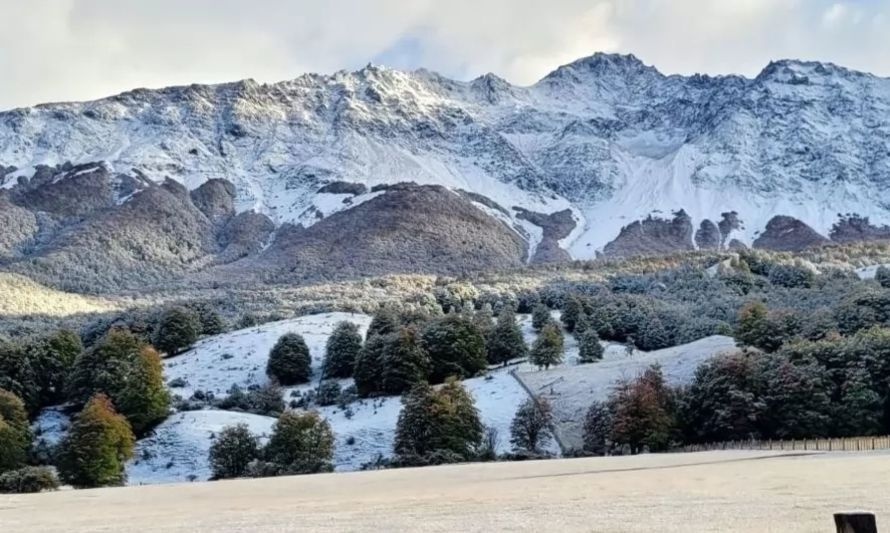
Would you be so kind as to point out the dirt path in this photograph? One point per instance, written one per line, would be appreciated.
(711, 491)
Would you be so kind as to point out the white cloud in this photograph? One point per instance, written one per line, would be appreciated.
(78, 49)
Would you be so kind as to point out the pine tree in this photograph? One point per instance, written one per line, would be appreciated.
(540, 317)
(369, 365)
(144, 398)
(571, 310)
(342, 350)
(15, 432)
(289, 361)
(177, 330)
(385, 321)
(232, 452)
(97, 446)
(530, 428)
(506, 342)
(405, 363)
(597, 429)
(589, 348)
(548, 347)
(455, 348)
(301, 443)
(416, 426)
(53, 358)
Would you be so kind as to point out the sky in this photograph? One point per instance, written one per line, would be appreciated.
(61, 50)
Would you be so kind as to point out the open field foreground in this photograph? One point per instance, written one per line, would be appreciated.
(710, 491)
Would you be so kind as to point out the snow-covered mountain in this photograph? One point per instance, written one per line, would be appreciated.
(608, 138)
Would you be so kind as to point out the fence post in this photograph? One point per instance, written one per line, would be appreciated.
(855, 522)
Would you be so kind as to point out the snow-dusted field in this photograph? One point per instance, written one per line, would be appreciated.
(728, 491)
(571, 389)
(868, 272)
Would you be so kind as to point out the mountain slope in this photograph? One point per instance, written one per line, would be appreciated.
(606, 137)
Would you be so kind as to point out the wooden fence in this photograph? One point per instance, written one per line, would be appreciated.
(847, 444)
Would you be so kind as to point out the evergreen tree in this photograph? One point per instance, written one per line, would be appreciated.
(589, 347)
(53, 359)
(416, 428)
(15, 432)
(385, 321)
(455, 348)
(641, 413)
(653, 335)
(572, 309)
(483, 319)
(795, 400)
(97, 446)
(342, 350)
(548, 347)
(17, 375)
(301, 443)
(582, 325)
(369, 365)
(540, 317)
(530, 429)
(212, 322)
(882, 275)
(405, 363)
(177, 330)
(597, 429)
(459, 423)
(144, 398)
(289, 361)
(232, 452)
(505, 342)
(859, 409)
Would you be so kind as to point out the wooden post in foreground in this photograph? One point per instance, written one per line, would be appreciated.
(855, 522)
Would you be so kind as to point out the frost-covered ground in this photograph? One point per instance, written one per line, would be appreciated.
(869, 272)
(571, 389)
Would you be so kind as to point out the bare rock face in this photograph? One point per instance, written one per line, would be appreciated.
(653, 236)
(344, 187)
(216, 199)
(736, 245)
(788, 234)
(708, 237)
(409, 229)
(555, 226)
(729, 221)
(853, 228)
(68, 190)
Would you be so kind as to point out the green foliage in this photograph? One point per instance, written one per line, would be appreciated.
(763, 329)
(289, 361)
(27, 480)
(548, 347)
(505, 342)
(301, 443)
(530, 428)
(15, 432)
(572, 309)
(110, 367)
(144, 398)
(405, 363)
(455, 347)
(17, 375)
(177, 330)
(327, 393)
(342, 350)
(589, 348)
(791, 276)
(52, 359)
(97, 446)
(386, 320)
(369, 364)
(540, 317)
(232, 452)
(438, 426)
(265, 400)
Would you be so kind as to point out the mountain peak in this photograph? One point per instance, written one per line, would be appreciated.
(602, 64)
(796, 71)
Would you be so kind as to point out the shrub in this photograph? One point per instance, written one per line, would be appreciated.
(530, 428)
(327, 393)
(29, 479)
(882, 275)
(177, 330)
(301, 443)
(99, 443)
(791, 276)
(548, 347)
(289, 361)
(232, 452)
(342, 350)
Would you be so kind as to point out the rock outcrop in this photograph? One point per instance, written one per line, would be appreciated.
(554, 226)
(653, 236)
(787, 234)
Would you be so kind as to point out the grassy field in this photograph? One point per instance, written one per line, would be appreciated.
(710, 491)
